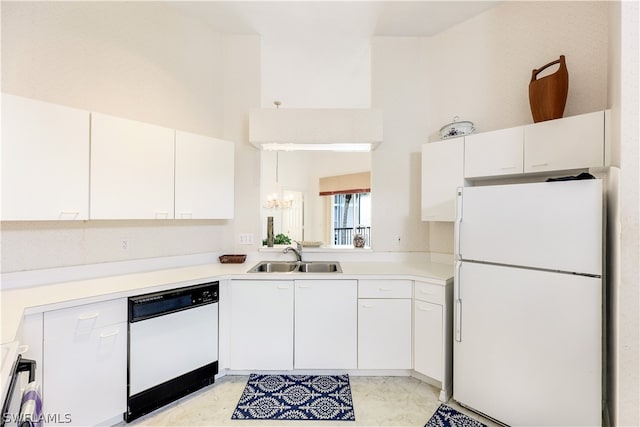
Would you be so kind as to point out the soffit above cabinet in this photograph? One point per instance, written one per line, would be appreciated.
(341, 129)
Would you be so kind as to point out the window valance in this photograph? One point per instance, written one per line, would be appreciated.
(346, 184)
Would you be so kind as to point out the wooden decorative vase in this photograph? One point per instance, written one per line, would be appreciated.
(548, 94)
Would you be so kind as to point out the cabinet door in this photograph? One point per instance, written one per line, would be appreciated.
(261, 335)
(85, 373)
(79, 370)
(326, 334)
(132, 169)
(384, 334)
(45, 161)
(442, 174)
(204, 177)
(428, 340)
(494, 153)
(570, 143)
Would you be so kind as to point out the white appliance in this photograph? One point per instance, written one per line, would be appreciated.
(173, 346)
(528, 302)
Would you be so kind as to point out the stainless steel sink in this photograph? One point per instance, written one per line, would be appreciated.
(319, 267)
(274, 267)
(296, 267)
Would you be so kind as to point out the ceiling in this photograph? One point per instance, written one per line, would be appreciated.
(349, 18)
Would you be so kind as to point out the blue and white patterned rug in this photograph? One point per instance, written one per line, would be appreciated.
(296, 397)
(446, 416)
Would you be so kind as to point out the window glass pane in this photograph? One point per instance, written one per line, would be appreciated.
(351, 214)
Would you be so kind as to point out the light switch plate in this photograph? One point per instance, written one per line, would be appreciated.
(246, 239)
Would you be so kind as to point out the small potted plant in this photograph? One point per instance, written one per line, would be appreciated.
(279, 239)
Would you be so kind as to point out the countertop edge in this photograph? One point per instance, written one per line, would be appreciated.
(20, 302)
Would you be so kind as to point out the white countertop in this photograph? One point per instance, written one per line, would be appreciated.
(16, 303)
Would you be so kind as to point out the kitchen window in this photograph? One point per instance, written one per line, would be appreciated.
(347, 208)
(351, 215)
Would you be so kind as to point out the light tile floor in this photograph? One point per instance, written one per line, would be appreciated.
(378, 401)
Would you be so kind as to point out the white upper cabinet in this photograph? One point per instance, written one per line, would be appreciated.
(204, 177)
(132, 169)
(442, 174)
(496, 153)
(45, 161)
(570, 143)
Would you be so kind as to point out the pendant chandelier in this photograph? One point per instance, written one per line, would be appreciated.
(274, 200)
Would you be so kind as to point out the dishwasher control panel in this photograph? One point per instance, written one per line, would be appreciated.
(142, 307)
(206, 296)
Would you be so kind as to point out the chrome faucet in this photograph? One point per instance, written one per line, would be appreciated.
(297, 251)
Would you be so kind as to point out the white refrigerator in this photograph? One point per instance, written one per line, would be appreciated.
(529, 302)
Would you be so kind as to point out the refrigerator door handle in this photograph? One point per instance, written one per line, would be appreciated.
(458, 326)
(456, 229)
(458, 303)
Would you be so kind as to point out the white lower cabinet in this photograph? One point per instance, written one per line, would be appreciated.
(428, 342)
(261, 325)
(326, 324)
(384, 324)
(85, 363)
(432, 335)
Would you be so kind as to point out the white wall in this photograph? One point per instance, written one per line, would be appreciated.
(132, 59)
(399, 89)
(306, 64)
(140, 61)
(481, 69)
(624, 212)
(241, 94)
(328, 72)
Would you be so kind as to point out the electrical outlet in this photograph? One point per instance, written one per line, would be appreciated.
(246, 239)
(124, 244)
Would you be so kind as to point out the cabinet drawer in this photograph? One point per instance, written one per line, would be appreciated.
(384, 288)
(429, 292)
(69, 322)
